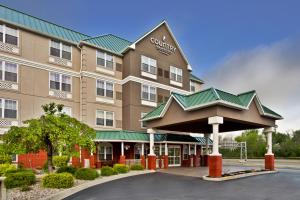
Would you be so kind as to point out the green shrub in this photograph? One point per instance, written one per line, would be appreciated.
(19, 179)
(60, 161)
(68, 169)
(12, 171)
(108, 171)
(137, 167)
(86, 174)
(121, 168)
(6, 167)
(5, 158)
(61, 180)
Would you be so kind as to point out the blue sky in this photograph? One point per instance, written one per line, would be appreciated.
(234, 45)
(208, 31)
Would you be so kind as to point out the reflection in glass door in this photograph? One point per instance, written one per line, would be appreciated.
(174, 155)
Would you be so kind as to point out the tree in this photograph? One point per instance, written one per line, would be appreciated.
(53, 132)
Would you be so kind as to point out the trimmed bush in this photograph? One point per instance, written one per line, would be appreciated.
(12, 171)
(121, 168)
(19, 179)
(86, 174)
(69, 169)
(6, 167)
(137, 167)
(108, 171)
(5, 158)
(60, 161)
(61, 180)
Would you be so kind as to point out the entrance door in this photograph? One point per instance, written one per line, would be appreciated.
(174, 155)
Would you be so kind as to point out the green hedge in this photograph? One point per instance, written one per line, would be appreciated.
(86, 174)
(61, 180)
(68, 169)
(121, 168)
(108, 171)
(60, 161)
(19, 179)
(12, 171)
(6, 167)
(136, 167)
(5, 158)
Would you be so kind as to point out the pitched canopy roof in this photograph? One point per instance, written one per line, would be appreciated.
(196, 79)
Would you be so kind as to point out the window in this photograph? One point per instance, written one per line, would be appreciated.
(8, 71)
(138, 150)
(67, 110)
(176, 74)
(8, 108)
(105, 151)
(148, 65)
(143, 123)
(105, 60)
(105, 89)
(9, 35)
(148, 93)
(60, 82)
(61, 50)
(192, 86)
(185, 152)
(104, 118)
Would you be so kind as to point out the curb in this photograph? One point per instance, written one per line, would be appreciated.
(227, 178)
(68, 192)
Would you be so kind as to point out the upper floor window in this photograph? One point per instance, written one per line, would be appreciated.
(8, 108)
(105, 60)
(148, 65)
(60, 82)
(148, 93)
(61, 50)
(175, 74)
(192, 86)
(105, 89)
(104, 118)
(9, 35)
(8, 71)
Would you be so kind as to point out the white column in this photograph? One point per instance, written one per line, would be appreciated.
(166, 149)
(122, 148)
(151, 137)
(215, 121)
(143, 149)
(160, 149)
(268, 132)
(195, 149)
(189, 149)
(206, 143)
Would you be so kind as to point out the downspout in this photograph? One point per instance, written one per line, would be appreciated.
(80, 85)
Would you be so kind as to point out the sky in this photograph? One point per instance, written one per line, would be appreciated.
(232, 45)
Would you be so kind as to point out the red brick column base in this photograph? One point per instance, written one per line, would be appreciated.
(196, 161)
(166, 162)
(151, 162)
(143, 162)
(215, 166)
(92, 161)
(205, 160)
(76, 161)
(269, 162)
(122, 160)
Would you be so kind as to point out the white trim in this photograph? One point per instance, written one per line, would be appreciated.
(104, 118)
(179, 84)
(105, 90)
(136, 141)
(3, 72)
(105, 100)
(60, 50)
(149, 75)
(148, 103)
(4, 26)
(104, 70)
(60, 82)
(3, 99)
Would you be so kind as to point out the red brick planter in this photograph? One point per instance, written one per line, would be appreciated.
(269, 162)
(122, 160)
(151, 162)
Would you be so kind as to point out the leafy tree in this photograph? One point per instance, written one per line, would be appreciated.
(53, 132)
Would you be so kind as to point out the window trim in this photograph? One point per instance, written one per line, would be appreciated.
(105, 88)
(176, 74)
(60, 81)
(4, 35)
(185, 147)
(105, 55)
(149, 64)
(148, 86)
(3, 71)
(3, 108)
(105, 145)
(192, 84)
(60, 50)
(105, 111)
(142, 115)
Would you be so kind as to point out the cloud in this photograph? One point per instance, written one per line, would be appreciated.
(272, 70)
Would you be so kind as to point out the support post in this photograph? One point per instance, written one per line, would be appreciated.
(151, 156)
(143, 160)
(205, 156)
(166, 157)
(195, 158)
(122, 157)
(215, 159)
(269, 156)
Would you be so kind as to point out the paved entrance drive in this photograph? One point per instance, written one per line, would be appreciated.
(159, 186)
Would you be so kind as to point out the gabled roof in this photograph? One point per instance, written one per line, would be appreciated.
(209, 97)
(196, 79)
(109, 42)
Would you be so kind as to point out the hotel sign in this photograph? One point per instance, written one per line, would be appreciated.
(162, 46)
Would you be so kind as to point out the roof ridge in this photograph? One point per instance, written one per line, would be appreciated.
(1, 5)
(106, 34)
(246, 92)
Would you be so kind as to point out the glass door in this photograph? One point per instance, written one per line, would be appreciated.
(174, 155)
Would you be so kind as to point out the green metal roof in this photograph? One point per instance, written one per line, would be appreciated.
(109, 42)
(208, 97)
(33, 23)
(202, 140)
(196, 79)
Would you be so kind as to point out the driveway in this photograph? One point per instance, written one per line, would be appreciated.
(279, 186)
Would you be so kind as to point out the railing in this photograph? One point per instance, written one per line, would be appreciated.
(130, 162)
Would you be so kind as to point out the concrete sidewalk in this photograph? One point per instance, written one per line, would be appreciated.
(279, 163)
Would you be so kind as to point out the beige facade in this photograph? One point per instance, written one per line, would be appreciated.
(105, 97)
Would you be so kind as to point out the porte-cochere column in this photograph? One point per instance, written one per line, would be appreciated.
(151, 155)
(215, 159)
(269, 156)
